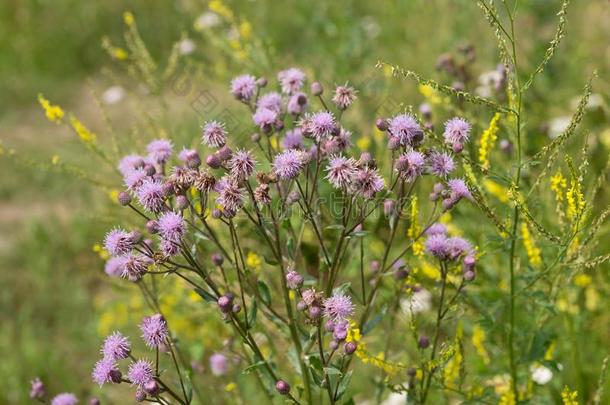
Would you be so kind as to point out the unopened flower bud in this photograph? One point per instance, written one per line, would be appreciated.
(149, 169)
(333, 345)
(182, 202)
(458, 147)
(279, 125)
(317, 89)
(350, 347)
(382, 124)
(152, 226)
(301, 306)
(217, 259)
(423, 342)
(329, 326)
(151, 387)
(224, 153)
(115, 376)
(506, 146)
(236, 308)
(140, 396)
(216, 213)
(168, 189)
(388, 207)
(224, 303)
(193, 160)
(282, 387)
(124, 198)
(255, 137)
(261, 82)
(213, 161)
(315, 312)
(94, 401)
(469, 275)
(375, 266)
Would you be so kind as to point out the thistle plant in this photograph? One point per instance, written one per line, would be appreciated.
(369, 274)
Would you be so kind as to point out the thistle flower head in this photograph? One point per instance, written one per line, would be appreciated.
(65, 398)
(230, 195)
(293, 139)
(459, 189)
(288, 164)
(118, 242)
(204, 181)
(134, 178)
(151, 195)
(243, 87)
(261, 194)
(341, 171)
(37, 389)
(344, 96)
(270, 101)
(410, 165)
(297, 104)
(406, 130)
(116, 347)
(190, 157)
(140, 372)
(438, 246)
(214, 134)
(218, 364)
(159, 151)
(436, 229)
(456, 132)
(264, 118)
(294, 280)
(114, 266)
(154, 330)
(291, 80)
(367, 181)
(322, 125)
(106, 371)
(242, 164)
(338, 308)
(136, 265)
(171, 226)
(129, 163)
(457, 247)
(440, 164)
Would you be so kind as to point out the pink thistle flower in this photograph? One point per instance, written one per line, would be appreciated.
(116, 347)
(457, 131)
(270, 101)
(135, 267)
(118, 242)
(367, 182)
(218, 364)
(171, 226)
(440, 164)
(134, 178)
(214, 134)
(230, 195)
(159, 151)
(114, 266)
(151, 195)
(297, 104)
(341, 171)
(265, 118)
(242, 164)
(338, 308)
(288, 164)
(293, 139)
(291, 80)
(322, 125)
(410, 165)
(154, 330)
(106, 371)
(344, 97)
(140, 372)
(65, 398)
(405, 128)
(243, 87)
(130, 163)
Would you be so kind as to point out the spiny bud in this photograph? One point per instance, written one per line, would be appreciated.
(124, 198)
(317, 89)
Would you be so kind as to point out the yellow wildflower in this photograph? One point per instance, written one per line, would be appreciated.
(575, 198)
(119, 53)
(102, 253)
(230, 387)
(83, 133)
(548, 355)
(220, 8)
(363, 143)
(128, 18)
(478, 338)
(558, 185)
(488, 140)
(431, 271)
(569, 397)
(533, 252)
(245, 30)
(452, 371)
(254, 261)
(55, 160)
(113, 195)
(495, 189)
(54, 113)
(430, 94)
(582, 280)
(591, 298)
(414, 230)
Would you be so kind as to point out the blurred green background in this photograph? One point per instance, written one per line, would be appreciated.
(49, 222)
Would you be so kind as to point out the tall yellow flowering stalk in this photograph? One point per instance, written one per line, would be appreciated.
(488, 140)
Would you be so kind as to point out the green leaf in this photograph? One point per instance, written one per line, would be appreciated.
(252, 313)
(343, 384)
(205, 295)
(263, 290)
(251, 367)
(335, 227)
(270, 260)
(332, 371)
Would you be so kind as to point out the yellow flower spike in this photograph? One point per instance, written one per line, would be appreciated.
(221, 9)
(582, 280)
(83, 133)
(291, 295)
(119, 53)
(558, 185)
(415, 229)
(478, 340)
(55, 160)
(245, 30)
(533, 252)
(54, 113)
(493, 188)
(548, 355)
(113, 195)
(591, 298)
(569, 397)
(128, 18)
(488, 141)
(575, 198)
